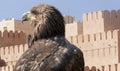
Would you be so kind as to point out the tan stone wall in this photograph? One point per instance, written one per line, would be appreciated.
(73, 29)
(12, 38)
(7, 24)
(16, 25)
(110, 67)
(98, 49)
(11, 54)
(80, 27)
(95, 22)
(23, 26)
(111, 19)
(69, 19)
(7, 68)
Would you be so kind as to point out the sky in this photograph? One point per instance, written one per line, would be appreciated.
(16, 8)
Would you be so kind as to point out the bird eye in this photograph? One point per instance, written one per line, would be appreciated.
(34, 12)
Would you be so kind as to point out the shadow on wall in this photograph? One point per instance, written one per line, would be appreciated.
(93, 68)
(2, 63)
(113, 67)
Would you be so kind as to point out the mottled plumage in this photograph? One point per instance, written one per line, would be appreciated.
(49, 50)
(2, 63)
(51, 55)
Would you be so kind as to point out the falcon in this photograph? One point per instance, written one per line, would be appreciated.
(49, 50)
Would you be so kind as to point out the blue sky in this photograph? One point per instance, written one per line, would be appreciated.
(15, 8)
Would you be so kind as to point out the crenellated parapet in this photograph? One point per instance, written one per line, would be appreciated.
(7, 68)
(11, 54)
(111, 19)
(69, 19)
(93, 16)
(98, 38)
(100, 46)
(12, 38)
(109, 67)
(95, 22)
(74, 29)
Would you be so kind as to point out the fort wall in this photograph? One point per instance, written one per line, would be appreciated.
(97, 36)
(91, 41)
(12, 38)
(101, 46)
(96, 22)
(101, 56)
(7, 25)
(73, 29)
(16, 25)
(80, 27)
(69, 19)
(23, 26)
(109, 67)
(12, 53)
(93, 22)
(111, 19)
(7, 68)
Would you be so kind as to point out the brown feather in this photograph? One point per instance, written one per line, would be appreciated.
(49, 51)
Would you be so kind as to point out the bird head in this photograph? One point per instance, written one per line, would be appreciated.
(28, 16)
(46, 20)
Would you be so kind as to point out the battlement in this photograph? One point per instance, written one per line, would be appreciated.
(102, 20)
(76, 29)
(109, 67)
(114, 14)
(93, 16)
(12, 53)
(111, 19)
(12, 38)
(98, 37)
(69, 19)
(7, 68)
(106, 14)
(100, 46)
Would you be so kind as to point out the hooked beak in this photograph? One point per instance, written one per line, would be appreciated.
(28, 17)
(24, 18)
